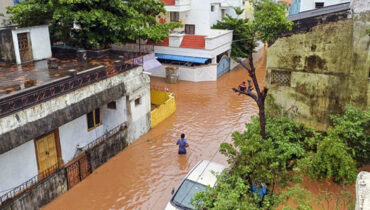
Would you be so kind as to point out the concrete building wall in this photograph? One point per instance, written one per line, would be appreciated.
(200, 16)
(40, 41)
(32, 122)
(7, 52)
(139, 108)
(218, 39)
(327, 68)
(76, 132)
(193, 74)
(310, 4)
(17, 166)
(3, 5)
(39, 195)
(202, 53)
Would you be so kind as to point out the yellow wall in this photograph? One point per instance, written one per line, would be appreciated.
(158, 97)
(167, 106)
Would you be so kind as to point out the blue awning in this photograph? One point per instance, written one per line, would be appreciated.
(181, 58)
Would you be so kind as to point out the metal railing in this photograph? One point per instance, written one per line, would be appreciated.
(106, 136)
(28, 184)
(52, 170)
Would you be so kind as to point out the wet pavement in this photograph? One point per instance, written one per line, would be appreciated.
(17, 77)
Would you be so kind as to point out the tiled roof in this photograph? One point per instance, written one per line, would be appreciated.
(165, 42)
(169, 2)
(193, 41)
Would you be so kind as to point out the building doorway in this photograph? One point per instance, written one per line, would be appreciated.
(48, 153)
(25, 48)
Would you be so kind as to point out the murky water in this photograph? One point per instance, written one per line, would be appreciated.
(142, 176)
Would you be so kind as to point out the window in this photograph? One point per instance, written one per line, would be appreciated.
(189, 29)
(186, 192)
(281, 78)
(94, 119)
(175, 17)
(223, 13)
(212, 8)
(137, 101)
(319, 5)
(112, 105)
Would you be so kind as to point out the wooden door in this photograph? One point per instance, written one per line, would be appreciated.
(47, 156)
(25, 49)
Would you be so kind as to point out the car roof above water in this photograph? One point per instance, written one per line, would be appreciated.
(202, 172)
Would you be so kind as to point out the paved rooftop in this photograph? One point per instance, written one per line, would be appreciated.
(17, 77)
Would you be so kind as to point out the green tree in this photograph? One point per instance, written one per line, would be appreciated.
(272, 162)
(343, 148)
(94, 24)
(288, 152)
(268, 22)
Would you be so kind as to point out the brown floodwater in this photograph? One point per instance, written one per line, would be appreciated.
(143, 174)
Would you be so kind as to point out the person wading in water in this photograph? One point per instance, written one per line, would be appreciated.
(182, 144)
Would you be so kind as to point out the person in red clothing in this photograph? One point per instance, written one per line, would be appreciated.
(242, 87)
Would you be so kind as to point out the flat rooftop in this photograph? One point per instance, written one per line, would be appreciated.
(14, 78)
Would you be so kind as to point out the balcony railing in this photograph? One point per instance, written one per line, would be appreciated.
(13, 192)
(28, 184)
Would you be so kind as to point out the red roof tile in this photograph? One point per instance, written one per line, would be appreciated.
(168, 2)
(165, 42)
(193, 41)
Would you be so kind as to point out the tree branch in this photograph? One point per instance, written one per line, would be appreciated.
(244, 65)
(248, 93)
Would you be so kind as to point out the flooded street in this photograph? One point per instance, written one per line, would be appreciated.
(143, 174)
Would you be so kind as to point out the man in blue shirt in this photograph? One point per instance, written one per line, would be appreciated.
(182, 144)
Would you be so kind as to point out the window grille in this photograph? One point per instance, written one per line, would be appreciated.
(175, 17)
(282, 78)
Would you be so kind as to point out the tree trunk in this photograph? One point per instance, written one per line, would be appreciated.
(261, 108)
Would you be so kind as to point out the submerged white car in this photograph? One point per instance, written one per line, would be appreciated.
(200, 176)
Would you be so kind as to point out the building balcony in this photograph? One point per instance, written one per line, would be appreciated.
(177, 5)
(215, 39)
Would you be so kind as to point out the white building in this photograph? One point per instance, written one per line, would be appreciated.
(24, 45)
(66, 112)
(201, 53)
(305, 5)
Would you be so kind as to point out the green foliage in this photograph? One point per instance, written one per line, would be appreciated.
(253, 161)
(268, 22)
(345, 147)
(331, 161)
(238, 11)
(289, 151)
(368, 31)
(242, 32)
(100, 22)
(353, 129)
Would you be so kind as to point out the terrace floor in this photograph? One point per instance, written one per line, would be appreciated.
(17, 77)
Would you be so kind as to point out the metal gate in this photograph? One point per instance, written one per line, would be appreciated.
(77, 170)
(223, 66)
(25, 49)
